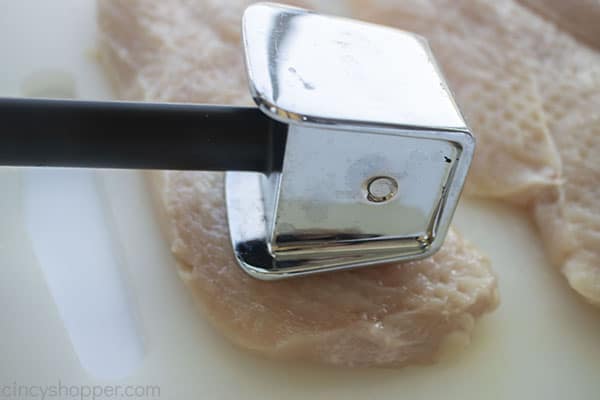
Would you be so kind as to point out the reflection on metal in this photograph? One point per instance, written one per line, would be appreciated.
(376, 153)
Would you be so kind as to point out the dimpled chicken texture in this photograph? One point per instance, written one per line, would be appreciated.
(580, 17)
(394, 315)
(530, 90)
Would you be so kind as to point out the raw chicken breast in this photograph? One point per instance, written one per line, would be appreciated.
(531, 94)
(386, 316)
(395, 315)
(578, 17)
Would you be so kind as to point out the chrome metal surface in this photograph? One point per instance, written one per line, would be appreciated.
(323, 208)
(376, 154)
(306, 66)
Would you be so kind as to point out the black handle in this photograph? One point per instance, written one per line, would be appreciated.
(73, 133)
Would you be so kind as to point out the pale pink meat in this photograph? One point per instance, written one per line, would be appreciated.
(581, 18)
(184, 50)
(531, 93)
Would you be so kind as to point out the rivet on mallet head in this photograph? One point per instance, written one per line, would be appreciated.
(381, 189)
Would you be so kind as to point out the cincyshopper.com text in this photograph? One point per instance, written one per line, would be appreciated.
(60, 390)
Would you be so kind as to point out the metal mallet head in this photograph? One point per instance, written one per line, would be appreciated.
(376, 150)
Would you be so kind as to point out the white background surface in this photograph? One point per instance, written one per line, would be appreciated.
(90, 296)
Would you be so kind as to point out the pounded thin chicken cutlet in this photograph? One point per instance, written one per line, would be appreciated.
(531, 94)
(389, 316)
(578, 17)
(184, 50)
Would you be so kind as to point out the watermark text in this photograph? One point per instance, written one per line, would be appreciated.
(61, 390)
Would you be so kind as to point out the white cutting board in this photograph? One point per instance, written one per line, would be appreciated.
(90, 296)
